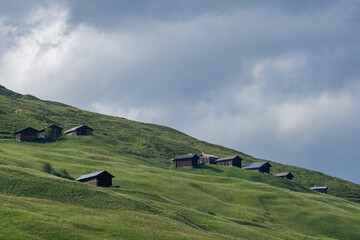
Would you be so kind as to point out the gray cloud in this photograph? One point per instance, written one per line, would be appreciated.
(277, 80)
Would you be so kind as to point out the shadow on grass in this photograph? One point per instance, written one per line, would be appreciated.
(210, 168)
(50, 140)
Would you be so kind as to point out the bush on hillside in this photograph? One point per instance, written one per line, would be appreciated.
(47, 167)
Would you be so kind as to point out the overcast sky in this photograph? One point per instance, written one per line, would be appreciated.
(278, 80)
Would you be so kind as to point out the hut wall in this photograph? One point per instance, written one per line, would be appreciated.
(207, 160)
(321, 190)
(237, 162)
(83, 132)
(264, 169)
(18, 136)
(92, 181)
(28, 136)
(204, 160)
(89, 132)
(104, 181)
(212, 160)
(184, 163)
(57, 132)
(225, 163)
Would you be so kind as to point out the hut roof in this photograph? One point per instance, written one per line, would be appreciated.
(256, 165)
(319, 188)
(186, 156)
(208, 155)
(51, 126)
(76, 128)
(95, 174)
(227, 158)
(283, 174)
(28, 128)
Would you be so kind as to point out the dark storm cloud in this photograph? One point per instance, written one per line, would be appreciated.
(276, 79)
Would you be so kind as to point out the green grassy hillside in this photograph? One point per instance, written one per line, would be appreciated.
(149, 143)
(154, 200)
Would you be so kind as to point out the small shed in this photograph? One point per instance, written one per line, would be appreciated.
(205, 158)
(82, 130)
(234, 161)
(99, 179)
(263, 167)
(28, 134)
(285, 175)
(55, 130)
(322, 189)
(186, 161)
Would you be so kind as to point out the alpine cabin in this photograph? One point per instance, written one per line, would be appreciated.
(98, 179)
(82, 130)
(263, 167)
(186, 161)
(286, 175)
(232, 161)
(28, 134)
(322, 189)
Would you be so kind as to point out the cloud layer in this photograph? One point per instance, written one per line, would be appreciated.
(278, 81)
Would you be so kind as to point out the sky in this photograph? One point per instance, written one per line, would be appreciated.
(278, 80)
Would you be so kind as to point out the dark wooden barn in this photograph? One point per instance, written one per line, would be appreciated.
(186, 161)
(234, 161)
(286, 175)
(322, 189)
(99, 179)
(28, 134)
(82, 130)
(263, 167)
(55, 130)
(205, 158)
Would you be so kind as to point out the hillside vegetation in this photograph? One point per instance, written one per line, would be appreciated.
(154, 200)
(151, 144)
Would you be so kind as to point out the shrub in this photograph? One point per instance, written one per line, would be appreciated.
(46, 167)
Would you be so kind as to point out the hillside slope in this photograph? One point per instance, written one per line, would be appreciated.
(153, 144)
(154, 200)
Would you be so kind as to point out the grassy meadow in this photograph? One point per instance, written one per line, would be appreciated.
(154, 200)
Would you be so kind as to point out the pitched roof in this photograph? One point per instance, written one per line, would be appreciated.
(75, 128)
(208, 155)
(319, 188)
(51, 126)
(256, 165)
(228, 158)
(186, 156)
(28, 128)
(91, 175)
(282, 174)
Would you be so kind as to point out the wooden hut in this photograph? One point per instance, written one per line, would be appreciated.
(205, 158)
(56, 131)
(263, 167)
(322, 189)
(82, 130)
(28, 134)
(99, 179)
(286, 175)
(186, 161)
(234, 161)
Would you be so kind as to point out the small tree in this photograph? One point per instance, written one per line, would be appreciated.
(46, 167)
(49, 134)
